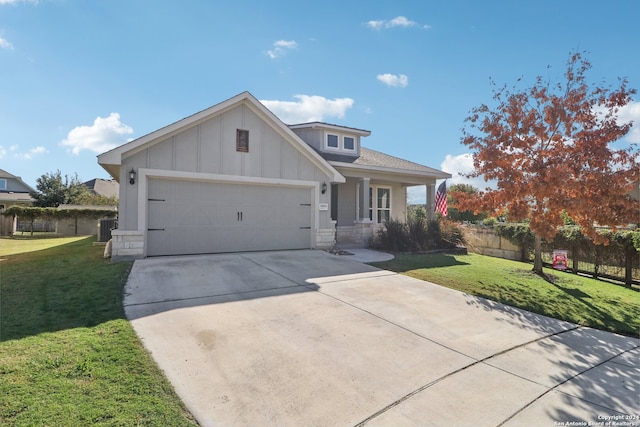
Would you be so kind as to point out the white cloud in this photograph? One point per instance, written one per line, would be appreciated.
(5, 44)
(401, 21)
(376, 25)
(626, 114)
(309, 108)
(105, 133)
(398, 21)
(26, 155)
(631, 113)
(281, 47)
(393, 80)
(18, 1)
(460, 165)
(417, 195)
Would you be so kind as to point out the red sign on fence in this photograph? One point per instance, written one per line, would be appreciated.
(560, 259)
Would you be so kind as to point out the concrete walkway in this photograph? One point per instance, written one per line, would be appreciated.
(365, 255)
(309, 338)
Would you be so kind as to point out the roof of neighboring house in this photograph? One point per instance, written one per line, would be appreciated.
(7, 175)
(103, 187)
(372, 159)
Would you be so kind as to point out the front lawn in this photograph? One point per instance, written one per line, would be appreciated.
(68, 356)
(573, 298)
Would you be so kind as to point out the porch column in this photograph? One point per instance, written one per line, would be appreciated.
(431, 202)
(363, 200)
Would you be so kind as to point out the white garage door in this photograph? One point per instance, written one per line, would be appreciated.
(193, 217)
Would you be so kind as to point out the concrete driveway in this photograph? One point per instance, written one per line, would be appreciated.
(306, 338)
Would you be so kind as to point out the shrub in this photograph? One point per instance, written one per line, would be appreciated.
(451, 234)
(418, 234)
(490, 222)
(393, 237)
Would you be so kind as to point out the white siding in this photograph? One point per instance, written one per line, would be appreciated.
(209, 147)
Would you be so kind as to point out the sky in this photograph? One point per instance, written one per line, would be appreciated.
(79, 77)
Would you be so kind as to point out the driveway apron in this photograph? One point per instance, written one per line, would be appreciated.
(309, 338)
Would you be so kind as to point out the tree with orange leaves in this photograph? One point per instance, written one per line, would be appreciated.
(549, 150)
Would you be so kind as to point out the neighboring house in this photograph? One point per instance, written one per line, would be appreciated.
(103, 187)
(235, 178)
(13, 191)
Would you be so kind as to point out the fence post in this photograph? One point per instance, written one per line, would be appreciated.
(629, 253)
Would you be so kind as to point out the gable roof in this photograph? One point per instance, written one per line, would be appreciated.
(6, 175)
(103, 187)
(111, 160)
(381, 162)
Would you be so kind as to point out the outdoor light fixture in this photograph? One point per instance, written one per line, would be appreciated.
(132, 176)
(324, 187)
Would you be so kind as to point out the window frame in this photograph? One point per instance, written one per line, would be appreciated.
(340, 142)
(353, 139)
(373, 203)
(3, 183)
(326, 141)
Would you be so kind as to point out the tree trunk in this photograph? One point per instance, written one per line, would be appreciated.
(537, 257)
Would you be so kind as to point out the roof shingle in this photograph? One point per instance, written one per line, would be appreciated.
(370, 157)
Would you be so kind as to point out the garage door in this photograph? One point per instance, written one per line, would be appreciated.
(192, 217)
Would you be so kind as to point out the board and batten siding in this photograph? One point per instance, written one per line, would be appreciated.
(209, 147)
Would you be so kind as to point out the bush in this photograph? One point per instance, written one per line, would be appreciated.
(418, 234)
(490, 222)
(393, 237)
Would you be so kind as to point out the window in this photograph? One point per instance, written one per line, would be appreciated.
(3, 184)
(349, 143)
(371, 203)
(340, 142)
(383, 205)
(332, 141)
(242, 140)
(380, 205)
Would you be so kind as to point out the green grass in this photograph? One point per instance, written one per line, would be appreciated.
(68, 356)
(573, 298)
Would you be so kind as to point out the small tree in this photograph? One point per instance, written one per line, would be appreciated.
(549, 150)
(53, 190)
(456, 214)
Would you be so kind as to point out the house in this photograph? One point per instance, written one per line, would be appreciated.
(13, 191)
(103, 187)
(235, 178)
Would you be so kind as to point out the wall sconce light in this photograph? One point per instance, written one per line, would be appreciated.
(132, 176)
(324, 187)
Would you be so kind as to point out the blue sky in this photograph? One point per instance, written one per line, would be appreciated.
(79, 77)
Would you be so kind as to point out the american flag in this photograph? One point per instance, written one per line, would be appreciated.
(441, 199)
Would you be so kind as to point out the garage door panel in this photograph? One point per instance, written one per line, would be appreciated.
(190, 217)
